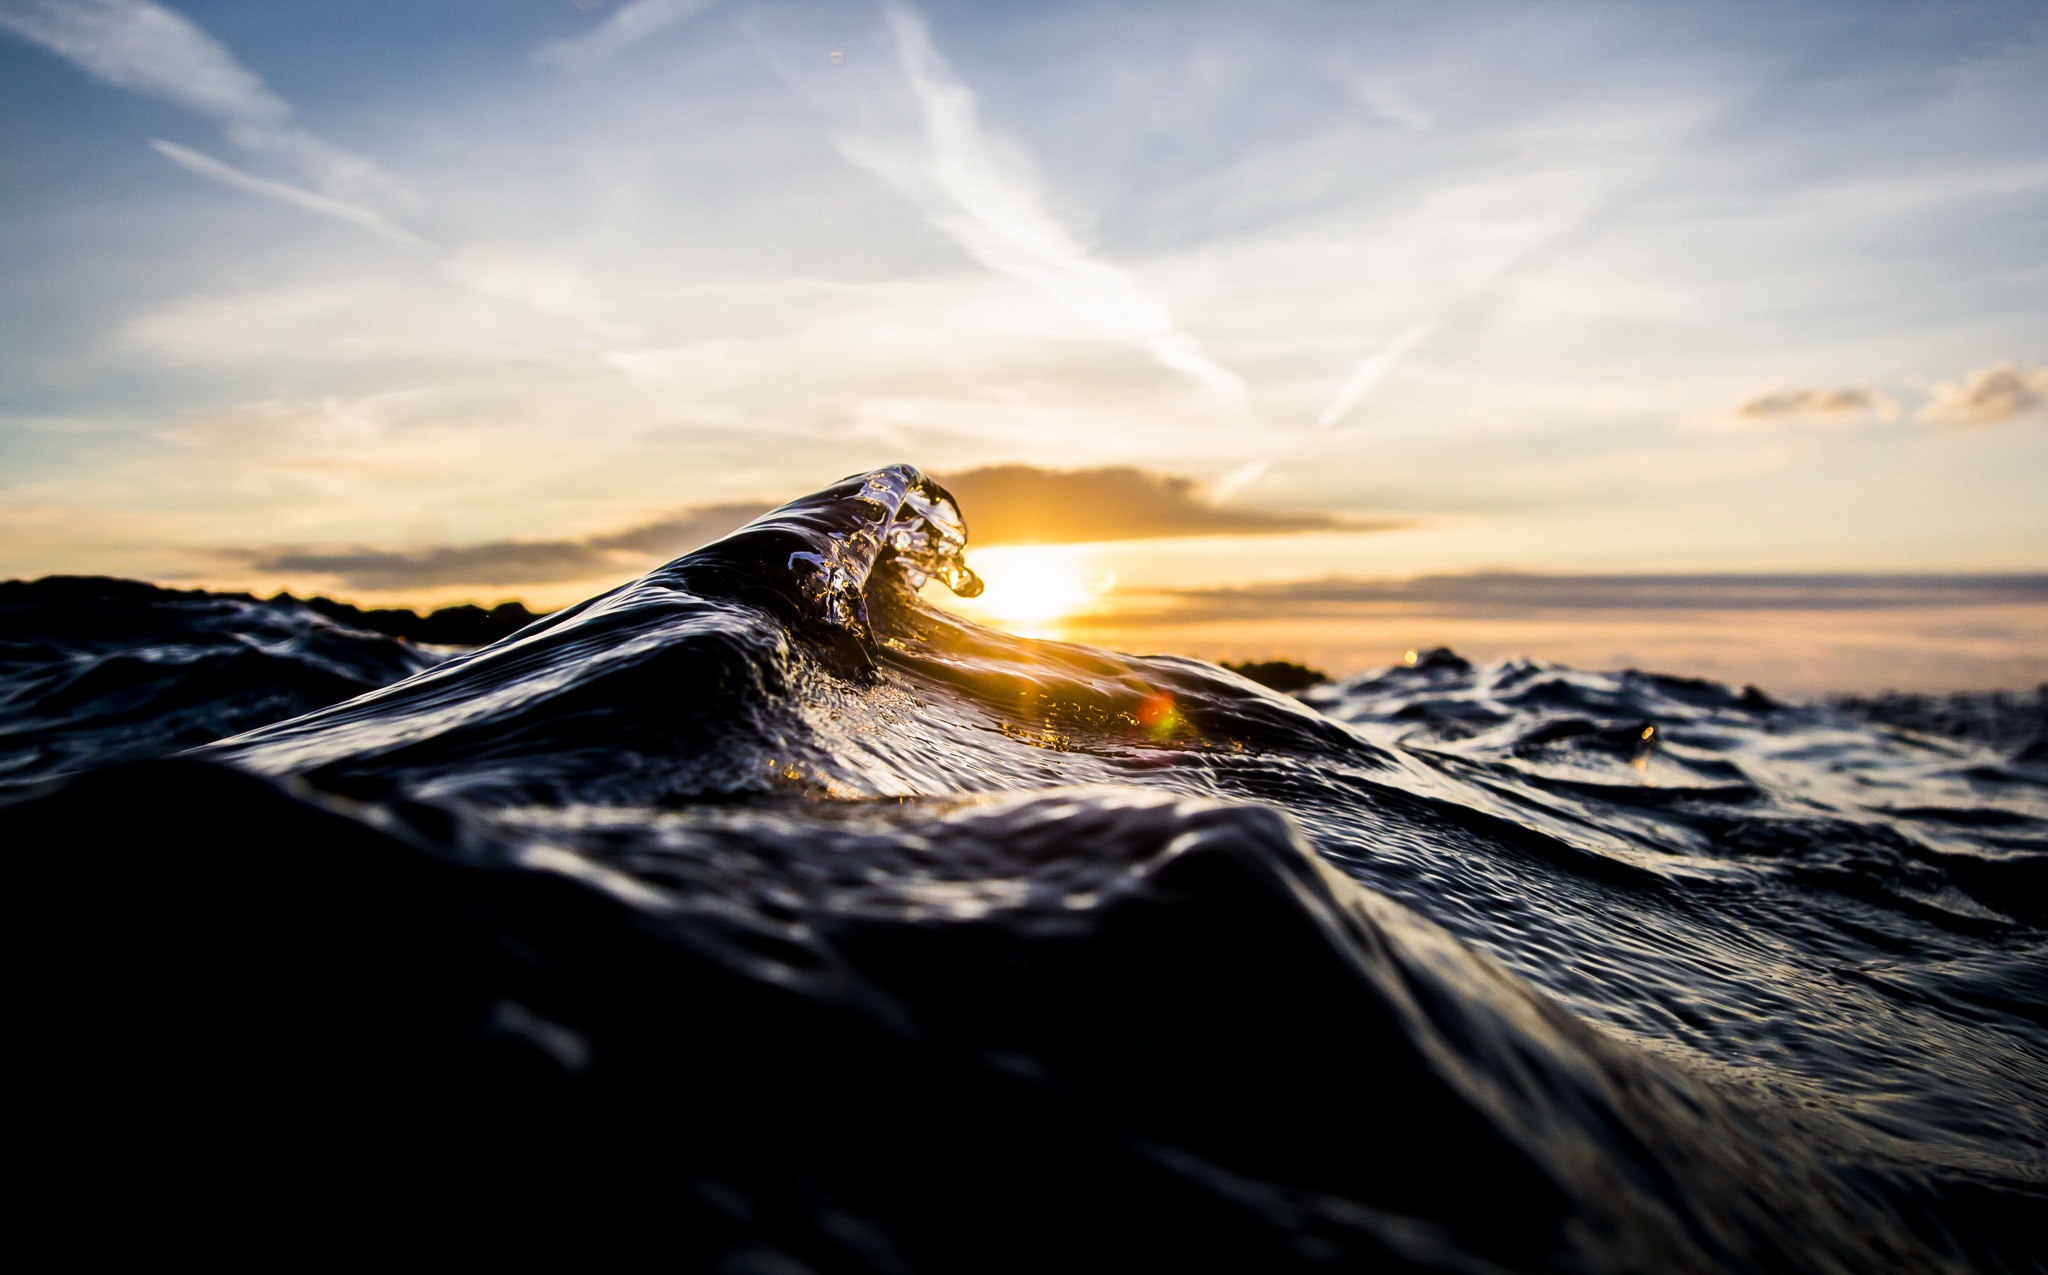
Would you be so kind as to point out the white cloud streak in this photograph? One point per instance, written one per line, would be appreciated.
(978, 190)
(149, 49)
(1237, 480)
(227, 175)
(629, 26)
(1372, 371)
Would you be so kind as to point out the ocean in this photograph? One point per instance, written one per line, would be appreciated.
(762, 911)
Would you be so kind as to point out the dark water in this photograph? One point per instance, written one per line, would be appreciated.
(760, 912)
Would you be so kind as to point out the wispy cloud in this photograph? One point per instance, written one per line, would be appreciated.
(227, 175)
(978, 189)
(1988, 396)
(1823, 405)
(1372, 371)
(152, 50)
(630, 25)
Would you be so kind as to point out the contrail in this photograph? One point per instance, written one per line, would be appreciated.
(977, 189)
(227, 175)
(1370, 372)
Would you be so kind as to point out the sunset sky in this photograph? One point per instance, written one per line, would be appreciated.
(429, 301)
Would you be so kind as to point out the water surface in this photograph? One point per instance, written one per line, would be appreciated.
(764, 908)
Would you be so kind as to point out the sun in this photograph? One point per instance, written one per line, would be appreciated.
(1030, 589)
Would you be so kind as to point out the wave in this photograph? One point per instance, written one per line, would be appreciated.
(764, 910)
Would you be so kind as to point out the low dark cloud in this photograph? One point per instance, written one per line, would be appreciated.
(510, 562)
(684, 530)
(1509, 596)
(1988, 396)
(1022, 504)
(1004, 504)
(1817, 404)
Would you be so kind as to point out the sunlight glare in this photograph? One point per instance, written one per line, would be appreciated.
(1030, 589)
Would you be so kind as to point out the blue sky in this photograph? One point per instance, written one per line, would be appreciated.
(1570, 287)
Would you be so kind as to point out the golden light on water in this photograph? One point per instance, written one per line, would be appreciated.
(1032, 590)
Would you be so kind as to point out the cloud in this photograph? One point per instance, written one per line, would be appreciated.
(1989, 396)
(1502, 595)
(1004, 504)
(978, 190)
(1371, 371)
(630, 25)
(507, 562)
(1022, 504)
(227, 175)
(1822, 405)
(149, 49)
(684, 530)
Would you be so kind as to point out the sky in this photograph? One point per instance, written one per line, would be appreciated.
(443, 299)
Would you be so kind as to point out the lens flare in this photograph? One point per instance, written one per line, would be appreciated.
(1158, 715)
